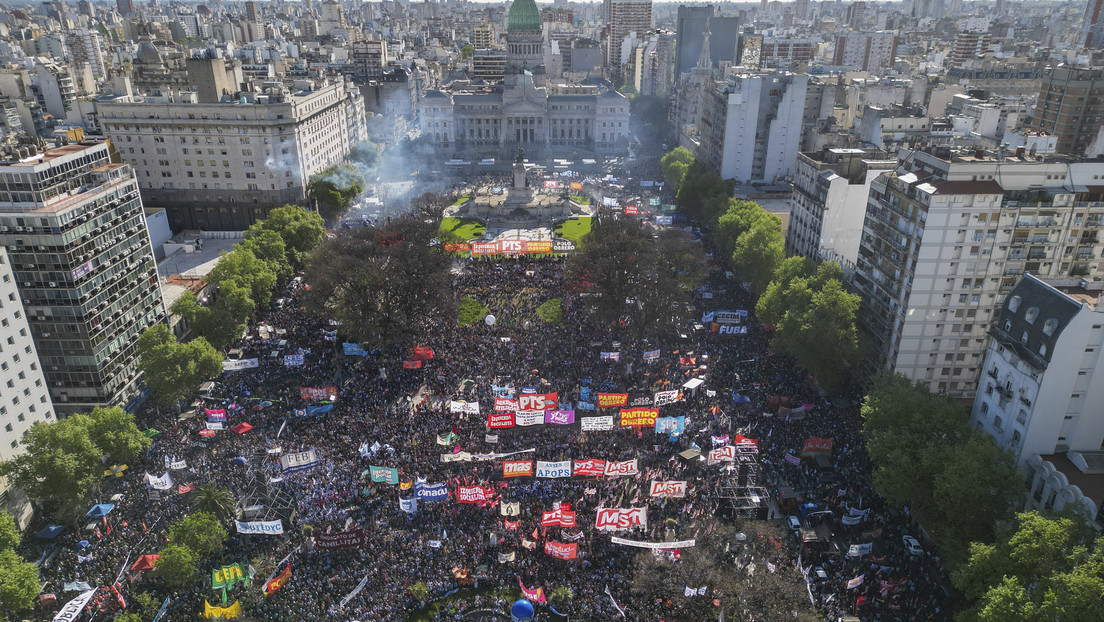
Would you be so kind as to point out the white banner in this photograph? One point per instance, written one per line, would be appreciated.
(669, 489)
(525, 418)
(554, 469)
(177, 465)
(679, 544)
(628, 467)
(299, 461)
(236, 364)
(261, 527)
(468, 408)
(74, 608)
(596, 424)
(159, 483)
(293, 360)
(663, 398)
(356, 590)
(460, 456)
(215, 425)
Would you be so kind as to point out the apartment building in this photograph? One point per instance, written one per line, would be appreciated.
(1070, 106)
(222, 166)
(623, 17)
(946, 237)
(828, 204)
(83, 266)
(751, 126)
(25, 398)
(1041, 396)
(874, 52)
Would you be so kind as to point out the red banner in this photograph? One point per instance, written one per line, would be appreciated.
(537, 401)
(576, 185)
(185, 488)
(500, 420)
(616, 519)
(472, 494)
(511, 525)
(453, 247)
(517, 468)
(590, 468)
(639, 416)
(317, 393)
(743, 440)
(723, 454)
(616, 469)
(341, 539)
(412, 364)
(609, 400)
(423, 353)
(559, 517)
(560, 550)
(817, 447)
(504, 405)
(630, 210)
(279, 581)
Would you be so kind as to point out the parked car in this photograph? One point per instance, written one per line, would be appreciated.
(912, 544)
(794, 523)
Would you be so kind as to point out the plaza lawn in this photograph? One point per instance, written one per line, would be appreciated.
(579, 199)
(462, 228)
(574, 229)
(460, 200)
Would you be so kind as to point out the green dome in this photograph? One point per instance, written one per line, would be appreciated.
(524, 17)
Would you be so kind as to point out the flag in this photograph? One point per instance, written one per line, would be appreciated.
(510, 509)
(536, 596)
(856, 582)
(279, 581)
(615, 605)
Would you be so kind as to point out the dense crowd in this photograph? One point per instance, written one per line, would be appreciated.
(387, 415)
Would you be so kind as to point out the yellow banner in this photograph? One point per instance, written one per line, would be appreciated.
(225, 613)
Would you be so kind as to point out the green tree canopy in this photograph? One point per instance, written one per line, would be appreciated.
(759, 251)
(115, 434)
(1040, 568)
(244, 268)
(10, 536)
(366, 154)
(703, 195)
(172, 369)
(382, 282)
(467, 51)
(200, 532)
(269, 247)
(222, 320)
(334, 189)
(19, 583)
(59, 468)
(956, 482)
(301, 230)
(675, 165)
(634, 276)
(178, 566)
(214, 500)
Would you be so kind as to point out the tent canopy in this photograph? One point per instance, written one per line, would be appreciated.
(693, 383)
(100, 509)
(50, 532)
(145, 562)
(242, 428)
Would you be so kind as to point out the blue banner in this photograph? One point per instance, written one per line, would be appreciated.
(408, 505)
(584, 394)
(670, 425)
(300, 412)
(584, 406)
(430, 492)
(354, 349)
(319, 410)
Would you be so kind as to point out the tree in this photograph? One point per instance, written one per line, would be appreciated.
(634, 277)
(926, 456)
(759, 250)
(241, 267)
(19, 583)
(552, 311)
(141, 607)
(59, 468)
(200, 532)
(366, 154)
(269, 247)
(814, 317)
(471, 311)
(10, 536)
(334, 189)
(220, 321)
(674, 166)
(382, 282)
(178, 565)
(1040, 568)
(115, 434)
(214, 500)
(467, 51)
(301, 230)
(172, 369)
(703, 194)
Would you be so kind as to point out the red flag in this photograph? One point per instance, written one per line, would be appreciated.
(279, 581)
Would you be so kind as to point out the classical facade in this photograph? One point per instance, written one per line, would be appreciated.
(524, 111)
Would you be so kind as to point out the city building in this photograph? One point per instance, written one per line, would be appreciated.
(1041, 394)
(622, 18)
(968, 44)
(1070, 107)
(24, 398)
(828, 204)
(1092, 28)
(751, 126)
(947, 235)
(222, 166)
(80, 255)
(874, 52)
(692, 22)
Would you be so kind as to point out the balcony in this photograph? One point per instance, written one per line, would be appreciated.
(1040, 239)
(1004, 391)
(992, 373)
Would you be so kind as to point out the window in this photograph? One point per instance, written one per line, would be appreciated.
(1049, 326)
(1031, 314)
(998, 423)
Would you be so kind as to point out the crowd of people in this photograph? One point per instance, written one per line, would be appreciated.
(385, 414)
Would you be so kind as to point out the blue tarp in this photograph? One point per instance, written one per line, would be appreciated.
(740, 399)
(50, 532)
(100, 509)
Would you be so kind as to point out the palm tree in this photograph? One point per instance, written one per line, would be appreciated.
(214, 499)
(561, 595)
